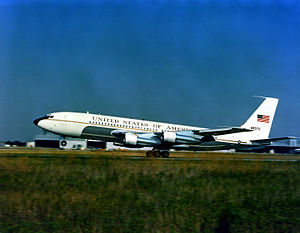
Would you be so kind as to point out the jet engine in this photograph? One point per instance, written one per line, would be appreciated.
(169, 137)
(130, 139)
(133, 139)
(177, 138)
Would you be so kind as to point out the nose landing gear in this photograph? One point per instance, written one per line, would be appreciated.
(157, 153)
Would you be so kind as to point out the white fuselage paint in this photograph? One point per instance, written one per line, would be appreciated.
(72, 124)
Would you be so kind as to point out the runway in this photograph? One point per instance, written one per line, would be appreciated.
(140, 155)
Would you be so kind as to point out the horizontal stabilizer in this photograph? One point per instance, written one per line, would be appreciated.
(216, 132)
(269, 140)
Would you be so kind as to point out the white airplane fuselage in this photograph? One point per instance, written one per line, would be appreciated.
(93, 126)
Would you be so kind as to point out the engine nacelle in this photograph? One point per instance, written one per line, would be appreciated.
(178, 138)
(169, 137)
(131, 139)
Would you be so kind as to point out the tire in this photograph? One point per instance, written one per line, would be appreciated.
(164, 154)
(156, 154)
(150, 154)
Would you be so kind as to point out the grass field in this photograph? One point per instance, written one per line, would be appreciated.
(122, 194)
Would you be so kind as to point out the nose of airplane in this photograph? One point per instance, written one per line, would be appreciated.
(36, 121)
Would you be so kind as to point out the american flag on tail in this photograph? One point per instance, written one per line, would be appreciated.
(263, 118)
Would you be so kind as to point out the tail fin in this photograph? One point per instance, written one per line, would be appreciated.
(261, 120)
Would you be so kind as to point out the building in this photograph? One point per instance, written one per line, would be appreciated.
(54, 141)
(287, 147)
(2, 144)
(47, 141)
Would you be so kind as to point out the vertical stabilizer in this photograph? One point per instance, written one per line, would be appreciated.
(261, 120)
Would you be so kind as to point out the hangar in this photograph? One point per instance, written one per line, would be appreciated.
(54, 141)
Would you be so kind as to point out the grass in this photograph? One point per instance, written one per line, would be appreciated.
(104, 194)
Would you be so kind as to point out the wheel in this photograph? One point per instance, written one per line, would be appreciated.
(164, 154)
(149, 153)
(156, 154)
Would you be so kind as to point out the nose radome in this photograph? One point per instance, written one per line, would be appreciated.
(36, 121)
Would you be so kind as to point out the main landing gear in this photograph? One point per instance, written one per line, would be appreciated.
(157, 153)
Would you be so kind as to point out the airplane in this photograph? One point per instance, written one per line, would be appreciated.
(162, 137)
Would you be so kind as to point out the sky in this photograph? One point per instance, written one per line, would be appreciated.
(196, 63)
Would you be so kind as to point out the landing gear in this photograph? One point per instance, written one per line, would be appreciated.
(157, 153)
(164, 154)
(150, 153)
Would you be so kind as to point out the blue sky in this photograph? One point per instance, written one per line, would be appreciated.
(189, 62)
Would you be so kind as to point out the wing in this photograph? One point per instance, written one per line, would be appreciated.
(172, 138)
(204, 133)
(216, 132)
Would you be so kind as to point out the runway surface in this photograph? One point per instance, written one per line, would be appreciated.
(140, 155)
